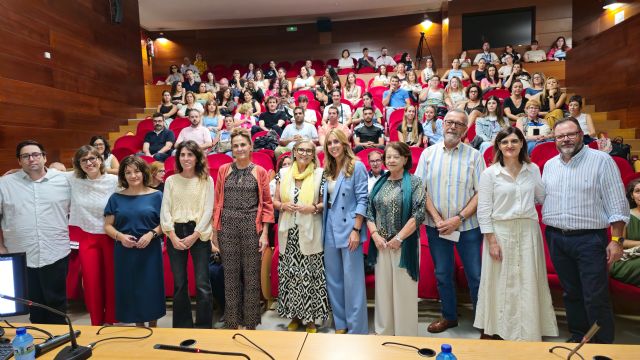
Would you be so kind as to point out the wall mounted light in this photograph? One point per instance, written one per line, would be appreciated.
(612, 4)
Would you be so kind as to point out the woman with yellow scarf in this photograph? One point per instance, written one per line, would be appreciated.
(302, 287)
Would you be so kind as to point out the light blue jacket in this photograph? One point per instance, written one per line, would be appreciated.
(350, 198)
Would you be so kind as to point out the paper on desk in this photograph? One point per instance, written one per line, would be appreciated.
(454, 236)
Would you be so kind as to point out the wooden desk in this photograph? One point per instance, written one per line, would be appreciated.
(352, 347)
(280, 344)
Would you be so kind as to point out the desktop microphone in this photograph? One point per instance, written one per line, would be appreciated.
(53, 343)
(72, 352)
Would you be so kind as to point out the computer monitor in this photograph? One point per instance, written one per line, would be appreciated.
(13, 272)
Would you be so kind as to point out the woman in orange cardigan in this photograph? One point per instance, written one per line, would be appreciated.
(242, 212)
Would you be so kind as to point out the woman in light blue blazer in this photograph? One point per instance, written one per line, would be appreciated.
(345, 202)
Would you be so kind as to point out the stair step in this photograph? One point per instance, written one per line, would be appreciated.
(589, 109)
(142, 115)
(624, 133)
(606, 124)
(599, 115)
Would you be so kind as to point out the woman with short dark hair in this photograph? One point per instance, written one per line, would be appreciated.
(132, 219)
(111, 163)
(514, 301)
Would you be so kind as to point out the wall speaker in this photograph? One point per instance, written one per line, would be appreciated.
(323, 25)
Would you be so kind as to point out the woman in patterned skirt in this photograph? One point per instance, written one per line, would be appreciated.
(243, 207)
(302, 287)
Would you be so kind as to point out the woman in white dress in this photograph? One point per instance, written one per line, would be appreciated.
(514, 302)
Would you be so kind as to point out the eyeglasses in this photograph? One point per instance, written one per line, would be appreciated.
(451, 123)
(98, 144)
(375, 161)
(34, 155)
(162, 171)
(302, 151)
(89, 160)
(570, 136)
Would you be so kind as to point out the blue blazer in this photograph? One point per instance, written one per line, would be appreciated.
(350, 197)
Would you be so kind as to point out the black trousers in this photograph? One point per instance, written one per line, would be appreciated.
(581, 263)
(47, 285)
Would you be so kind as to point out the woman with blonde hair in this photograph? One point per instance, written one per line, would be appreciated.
(302, 287)
(185, 216)
(454, 93)
(410, 130)
(190, 103)
(351, 91)
(156, 181)
(551, 99)
(212, 119)
(345, 203)
(243, 212)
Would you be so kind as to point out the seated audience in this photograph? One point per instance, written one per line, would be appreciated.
(190, 104)
(520, 74)
(211, 84)
(166, 108)
(157, 175)
(272, 71)
(375, 163)
(237, 85)
(464, 59)
(295, 132)
(505, 70)
(212, 119)
(304, 81)
(282, 78)
(344, 110)
(431, 127)
(385, 59)
(324, 90)
(367, 101)
(382, 79)
(309, 114)
(395, 98)
(473, 107)
(401, 72)
(272, 119)
(429, 70)
(345, 62)
(627, 269)
(514, 105)
(190, 83)
(488, 56)
(558, 50)
(412, 85)
(273, 89)
(366, 60)
(111, 163)
(177, 94)
(552, 100)
(174, 75)
(251, 72)
(186, 66)
(333, 74)
(196, 132)
(455, 71)
(256, 109)
(309, 65)
(586, 123)
(225, 101)
(454, 93)
(244, 118)
(223, 140)
(489, 124)
(480, 73)
(537, 84)
(351, 91)
(535, 129)
(203, 94)
(367, 135)
(284, 161)
(508, 50)
(410, 130)
(535, 54)
(431, 95)
(200, 64)
(260, 81)
(405, 59)
(286, 102)
(332, 123)
(491, 81)
(159, 141)
(256, 92)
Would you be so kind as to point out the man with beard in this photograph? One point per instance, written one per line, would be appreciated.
(159, 142)
(196, 132)
(451, 170)
(584, 196)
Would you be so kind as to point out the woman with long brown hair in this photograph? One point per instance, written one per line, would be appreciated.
(410, 130)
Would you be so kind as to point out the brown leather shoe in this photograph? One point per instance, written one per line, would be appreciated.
(441, 325)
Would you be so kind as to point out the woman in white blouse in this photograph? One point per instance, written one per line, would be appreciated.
(345, 62)
(304, 81)
(514, 302)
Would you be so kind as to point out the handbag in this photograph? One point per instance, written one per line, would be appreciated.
(619, 148)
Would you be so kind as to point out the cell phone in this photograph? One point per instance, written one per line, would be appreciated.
(536, 132)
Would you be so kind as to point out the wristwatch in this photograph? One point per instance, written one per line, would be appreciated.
(618, 239)
(355, 229)
(462, 218)
(398, 238)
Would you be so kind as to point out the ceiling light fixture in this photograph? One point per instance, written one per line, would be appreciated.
(612, 4)
(426, 22)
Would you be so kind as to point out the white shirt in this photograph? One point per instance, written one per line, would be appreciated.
(88, 200)
(35, 216)
(344, 113)
(345, 63)
(310, 117)
(501, 197)
(373, 179)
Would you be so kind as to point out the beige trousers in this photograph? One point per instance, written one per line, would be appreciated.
(396, 309)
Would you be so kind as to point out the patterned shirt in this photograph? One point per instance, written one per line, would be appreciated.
(452, 178)
(585, 193)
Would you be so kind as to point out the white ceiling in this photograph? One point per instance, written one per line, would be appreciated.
(158, 15)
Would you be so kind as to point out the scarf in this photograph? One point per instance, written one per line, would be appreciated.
(409, 248)
(306, 190)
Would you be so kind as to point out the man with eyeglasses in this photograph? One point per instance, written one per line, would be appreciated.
(584, 196)
(296, 131)
(158, 142)
(451, 170)
(34, 205)
(375, 163)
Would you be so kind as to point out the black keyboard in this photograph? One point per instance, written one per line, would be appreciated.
(6, 351)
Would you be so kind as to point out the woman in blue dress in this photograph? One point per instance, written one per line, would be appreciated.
(132, 219)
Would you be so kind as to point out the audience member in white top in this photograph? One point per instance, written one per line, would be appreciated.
(190, 103)
(297, 131)
(304, 81)
(385, 59)
(195, 132)
(489, 56)
(585, 120)
(34, 206)
(429, 70)
(375, 163)
(111, 163)
(345, 62)
(382, 79)
(535, 54)
(187, 65)
(309, 114)
(344, 110)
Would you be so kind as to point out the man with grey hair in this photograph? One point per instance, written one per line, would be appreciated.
(451, 170)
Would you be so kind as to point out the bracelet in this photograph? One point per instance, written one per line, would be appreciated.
(355, 229)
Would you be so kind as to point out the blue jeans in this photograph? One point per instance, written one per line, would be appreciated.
(468, 246)
(581, 264)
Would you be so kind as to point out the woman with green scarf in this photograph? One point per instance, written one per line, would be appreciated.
(396, 209)
(302, 286)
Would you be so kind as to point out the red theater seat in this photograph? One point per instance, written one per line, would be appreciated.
(364, 156)
(623, 165)
(543, 153)
(416, 152)
(488, 156)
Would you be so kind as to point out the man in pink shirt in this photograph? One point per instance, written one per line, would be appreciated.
(332, 124)
(196, 132)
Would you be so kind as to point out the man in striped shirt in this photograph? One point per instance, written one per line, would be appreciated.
(451, 170)
(585, 195)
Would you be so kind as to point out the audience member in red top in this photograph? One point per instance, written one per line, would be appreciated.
(558, 50)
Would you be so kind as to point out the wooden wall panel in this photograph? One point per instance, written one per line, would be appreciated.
(615, 53)
(261, 44)
(92, 83)
(590, 18)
